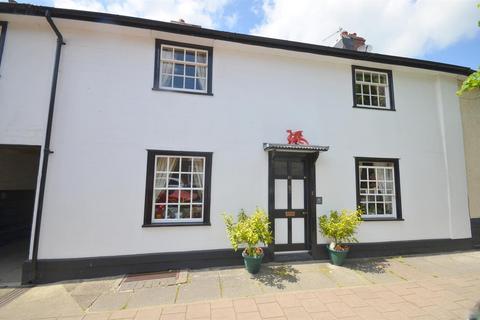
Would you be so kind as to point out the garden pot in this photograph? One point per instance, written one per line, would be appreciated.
(252, 264)
(337, 257)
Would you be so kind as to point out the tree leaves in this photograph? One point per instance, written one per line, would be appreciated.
(340, 227)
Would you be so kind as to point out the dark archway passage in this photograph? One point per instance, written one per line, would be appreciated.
(18, 180)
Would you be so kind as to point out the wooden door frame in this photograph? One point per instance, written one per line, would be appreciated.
(310, 160)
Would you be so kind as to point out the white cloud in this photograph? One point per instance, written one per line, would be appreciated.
(398, 27)
(207, 13)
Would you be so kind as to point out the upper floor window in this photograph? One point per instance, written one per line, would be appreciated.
(378, 188)
(183, 67)
(372, 88)
(178, 188)
(3, 33)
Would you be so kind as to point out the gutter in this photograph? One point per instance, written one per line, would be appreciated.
(46, 147)
(133, 22)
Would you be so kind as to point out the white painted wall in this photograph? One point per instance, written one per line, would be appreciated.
(107, 116)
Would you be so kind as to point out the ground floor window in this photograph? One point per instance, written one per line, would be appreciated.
(378, 188)
(178, 188)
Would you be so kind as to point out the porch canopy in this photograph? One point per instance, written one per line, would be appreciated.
(306, 148)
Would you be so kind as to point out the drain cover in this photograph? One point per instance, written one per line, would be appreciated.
(12, 295)
(151, 276)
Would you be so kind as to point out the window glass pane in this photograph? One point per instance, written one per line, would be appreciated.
(174, 164)
(381, 91)
(388, 208)
(363, 173)
(374, 90)
(197, 196)
(375, 78)
(161, 180)
(371, 208)
(201, 84)
(189, 83)
(160, 196)
(374, 101)
(190, 71)
(173, 180)
(367, 77)
(201, 72)
(366, 100)
(185, 212)
(190, 56)
(388, 174)
(167, 67)
(186, 164)
(179, 54)
(186, 180)
(197, 180)
(198, 164)
(185, 196)
(201, 57)
(167, 53)
(178, 82)
(173, 195)
(162, 164)
(383, 78)
(381, 102)
(359, 99)
(159, 211)
(358, 88)
(172, 212)
(179, 69)
(380, 208)
(358, 76)
(197, 211)
(166, 80)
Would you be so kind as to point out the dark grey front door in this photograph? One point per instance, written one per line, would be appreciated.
(289, 201)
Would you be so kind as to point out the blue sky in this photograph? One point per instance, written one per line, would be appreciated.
(441, 30)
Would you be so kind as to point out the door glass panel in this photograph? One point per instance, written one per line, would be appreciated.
(298, 194)
(281, 231)
(280, 168)
(296, 169)
(298, 230)
(281, 194)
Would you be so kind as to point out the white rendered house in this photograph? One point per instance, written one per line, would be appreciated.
(152, 130)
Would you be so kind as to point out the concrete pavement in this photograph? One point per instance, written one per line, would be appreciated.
(444, 286)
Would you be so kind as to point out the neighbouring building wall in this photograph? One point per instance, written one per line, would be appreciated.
(470, 109)
(107, 116)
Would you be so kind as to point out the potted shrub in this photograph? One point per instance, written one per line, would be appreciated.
(340, 228)
(250, 232)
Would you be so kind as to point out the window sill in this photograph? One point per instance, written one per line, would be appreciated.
(380, 109)
(382, 219)
(176, 224)
(180, 91)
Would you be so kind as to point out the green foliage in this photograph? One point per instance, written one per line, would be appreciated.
(249, 231)
(472, 82)
(340, 227)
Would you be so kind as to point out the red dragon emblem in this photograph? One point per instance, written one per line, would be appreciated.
(296, 137)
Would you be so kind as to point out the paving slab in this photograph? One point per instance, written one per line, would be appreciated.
(152, 297)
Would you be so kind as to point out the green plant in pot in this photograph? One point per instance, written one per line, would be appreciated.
(340, 228)
(249, 232)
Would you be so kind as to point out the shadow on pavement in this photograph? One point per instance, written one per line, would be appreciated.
(277, 276)
(369, 266)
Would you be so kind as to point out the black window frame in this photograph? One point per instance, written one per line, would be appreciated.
(390, 88)
(151, 154)
(398, 197)
(3, 35)
(158, 55)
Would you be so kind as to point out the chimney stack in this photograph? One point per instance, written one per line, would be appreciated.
(351, 41)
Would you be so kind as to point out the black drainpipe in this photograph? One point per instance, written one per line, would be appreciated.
(46, 148)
